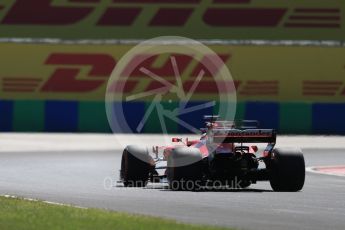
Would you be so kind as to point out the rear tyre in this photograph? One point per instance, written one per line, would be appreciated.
(287, 170)
(186, 177)
(135, 166)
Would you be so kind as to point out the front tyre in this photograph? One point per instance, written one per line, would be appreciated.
(135, 166)
(185, 169)
(287, 170)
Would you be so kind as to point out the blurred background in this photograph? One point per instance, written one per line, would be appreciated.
(287, 59)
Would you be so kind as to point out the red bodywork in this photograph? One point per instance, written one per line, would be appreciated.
(201, 145)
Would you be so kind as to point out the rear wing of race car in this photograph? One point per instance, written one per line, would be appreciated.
(244, 136)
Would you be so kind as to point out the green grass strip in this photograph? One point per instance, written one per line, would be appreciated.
(20, 214)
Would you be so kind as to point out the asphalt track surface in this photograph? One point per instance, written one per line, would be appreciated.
(77, 177)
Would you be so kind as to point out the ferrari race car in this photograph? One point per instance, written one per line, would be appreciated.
(219, 158)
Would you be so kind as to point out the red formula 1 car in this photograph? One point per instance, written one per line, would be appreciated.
(218, 158)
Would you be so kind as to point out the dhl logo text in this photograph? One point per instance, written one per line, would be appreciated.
(81, 73)
(167, 13)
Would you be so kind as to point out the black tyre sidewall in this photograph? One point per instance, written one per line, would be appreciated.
(134, 171)
(186, 177)
(287, 170)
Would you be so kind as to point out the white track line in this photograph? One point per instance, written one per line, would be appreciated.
(313, 169)
(43, 201)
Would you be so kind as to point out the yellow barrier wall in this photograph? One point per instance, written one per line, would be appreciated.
(46, 87)
(65, 72)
